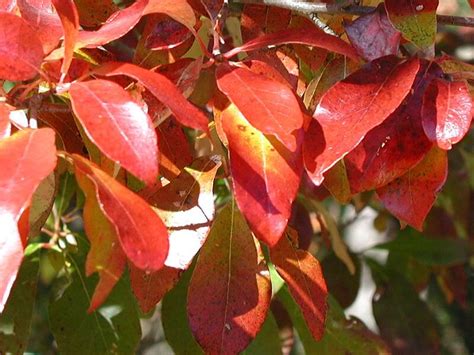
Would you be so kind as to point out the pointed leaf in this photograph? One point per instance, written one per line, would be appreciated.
(269, 105)
(26, 159)
(411, 196)
(42, 17)
(117, 125)
(308, 36)
(373, 35)
(67, 12)
(229, 293)
(354, 106)
(141, 232)
(105, 256)
(21, 52)
(265, 176)
(186, 206)
(388, 151)
(163, 89)
(447, 112)
(415, 19)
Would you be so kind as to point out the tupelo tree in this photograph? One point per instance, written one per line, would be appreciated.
(193, 152)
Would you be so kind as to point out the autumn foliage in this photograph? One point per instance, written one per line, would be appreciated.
(190, 151)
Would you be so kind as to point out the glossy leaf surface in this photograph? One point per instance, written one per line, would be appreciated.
(26, 159)
(269, 105)
(415, 19)
(21, 52)
(117, 125)
(303, 275)
(229, 293)
(447, 112)
(308, 36)
(265, 174)
(5, 126)
(141, 232)
(353, 107)
(163, 89)
(411, 196)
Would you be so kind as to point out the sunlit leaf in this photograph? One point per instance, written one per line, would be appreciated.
(21, 52)
(229, 293)
(141, 232)
(117, 125)
(411, 196)
(265, 176)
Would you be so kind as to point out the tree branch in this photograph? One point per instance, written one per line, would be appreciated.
(308, 8)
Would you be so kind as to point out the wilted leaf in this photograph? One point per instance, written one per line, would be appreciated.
(337, 183)
(117, 125)
(311, 36)
(303, 275)
(42, 17)
(67, 12)
(416, 20)
(269, 105)
(265, 176)
(105, 256)
(373, 35)
(163, 89)
(41, 204)
(26, 159)
(21, 52)
(411, 196)
(354, 106)
(186, 206)
(398, 144)
(141, 232)
(447, 112)
(229, 293)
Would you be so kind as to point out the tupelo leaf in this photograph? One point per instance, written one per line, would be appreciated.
(141, 232)
(265, 176)
(229, 293)
(117, 125)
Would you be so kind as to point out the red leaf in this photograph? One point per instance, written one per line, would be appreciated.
(269, 105)
(44, 20)
(415, 19)
(213, 7)
(265, 175)
(67, 12)
(388, 151)
(373, 35)
(21, 52)
(307, 36)
(304, 277)
(179, 10)
(105, 256)
(117, 125)
(150, 288)
(354, 106)
(186, 206)
(229, 292)
(411, 196)
(26, 158)
(447, 112)
(5, 126)
(167, 34)
(141, 232)
(163, 89)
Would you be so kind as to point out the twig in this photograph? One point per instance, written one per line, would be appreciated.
(308, 8)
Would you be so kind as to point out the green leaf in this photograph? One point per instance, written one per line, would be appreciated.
(175, 318)
(429, 251)
(267, 340)
(342, 336)
(15, 321)
(113, 328)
